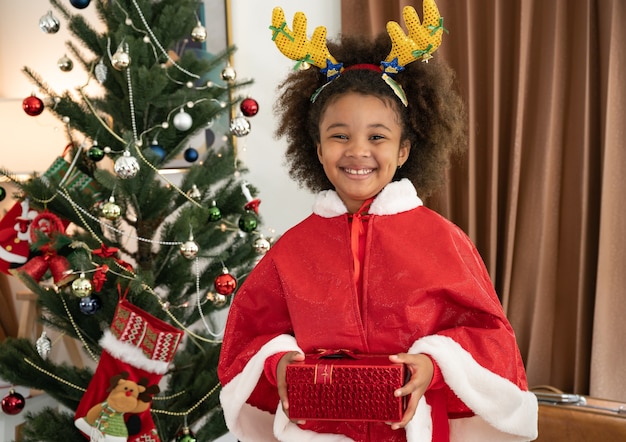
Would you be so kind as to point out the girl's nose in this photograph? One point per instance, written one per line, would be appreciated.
(357, 148)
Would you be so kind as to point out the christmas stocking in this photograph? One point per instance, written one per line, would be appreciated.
(136, 353)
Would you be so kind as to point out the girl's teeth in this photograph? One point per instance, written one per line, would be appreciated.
(358, 171)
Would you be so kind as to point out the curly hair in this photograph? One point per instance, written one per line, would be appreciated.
(434, 121)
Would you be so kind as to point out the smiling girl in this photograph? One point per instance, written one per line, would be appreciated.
(372, 270)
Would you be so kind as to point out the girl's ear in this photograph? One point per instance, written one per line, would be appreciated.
(403, 153)
(319, 152)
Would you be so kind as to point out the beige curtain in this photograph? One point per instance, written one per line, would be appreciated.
(540, 190)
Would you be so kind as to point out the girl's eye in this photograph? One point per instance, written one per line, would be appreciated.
(377, 137)
(340, 136)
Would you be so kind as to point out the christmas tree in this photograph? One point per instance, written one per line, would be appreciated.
(130, 262)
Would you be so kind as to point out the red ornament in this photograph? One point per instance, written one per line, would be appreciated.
(32, 105)
(13, 403)
(249, 107)
(225, 284)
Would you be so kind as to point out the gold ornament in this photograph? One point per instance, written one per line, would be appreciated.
(121, 59)
(110, 210)
(82, 287)
(65, 64)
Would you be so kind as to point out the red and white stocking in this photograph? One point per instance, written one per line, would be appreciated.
(136, 353)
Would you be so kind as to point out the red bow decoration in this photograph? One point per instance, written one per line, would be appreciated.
(110, 252)
(100, 277)
(105, 252)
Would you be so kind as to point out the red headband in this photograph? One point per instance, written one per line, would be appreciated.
(366, 66)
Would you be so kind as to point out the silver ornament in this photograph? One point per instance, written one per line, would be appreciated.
(126, 166)
(44, 345)
(229, 74)
(82, 287)
(49, 23)
(240, 126)
(189, 249)
(101, 71)
(121, 59)
(182, 121)
(261, 245)
(110, 210)
(199, 33)
(194, 192)
(65, 64)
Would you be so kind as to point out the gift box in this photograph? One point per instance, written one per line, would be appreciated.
(346, 388)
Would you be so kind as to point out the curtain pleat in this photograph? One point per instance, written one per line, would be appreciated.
(539, 190)
(609, 329)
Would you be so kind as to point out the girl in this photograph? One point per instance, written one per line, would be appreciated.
(372, 270)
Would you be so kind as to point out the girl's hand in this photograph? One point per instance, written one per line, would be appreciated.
(421, 369)
(281, 372)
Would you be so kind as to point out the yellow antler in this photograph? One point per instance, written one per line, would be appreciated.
(423, 38)
(294, 45)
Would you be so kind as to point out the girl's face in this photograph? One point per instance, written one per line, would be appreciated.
(360, 146)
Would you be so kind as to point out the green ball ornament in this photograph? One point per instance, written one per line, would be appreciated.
(248, 222)
(3, 193)
(215, 214)
(186, 435)
(95, 153)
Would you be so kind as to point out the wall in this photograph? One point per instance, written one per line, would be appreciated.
(283, 204)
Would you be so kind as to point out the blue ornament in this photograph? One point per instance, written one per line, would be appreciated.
(90, 304)
(191, 155)
(80, 4)
(157, 149)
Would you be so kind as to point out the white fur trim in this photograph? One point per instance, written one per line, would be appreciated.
(130, 354)
(287, 431)
(327, 204)
(244, 421)
(420, 427)
(503, 412)
(396, 197)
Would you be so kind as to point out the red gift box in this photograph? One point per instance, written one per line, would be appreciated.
(345, 388)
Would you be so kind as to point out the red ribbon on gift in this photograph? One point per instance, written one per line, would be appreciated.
(323, 374)
(338, 353)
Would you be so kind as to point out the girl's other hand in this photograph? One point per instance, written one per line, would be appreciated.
(421, 368)
(281, 382)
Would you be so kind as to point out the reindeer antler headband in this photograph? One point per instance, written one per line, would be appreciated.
(421, 41)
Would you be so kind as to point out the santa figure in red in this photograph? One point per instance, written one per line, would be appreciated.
(15, 236)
